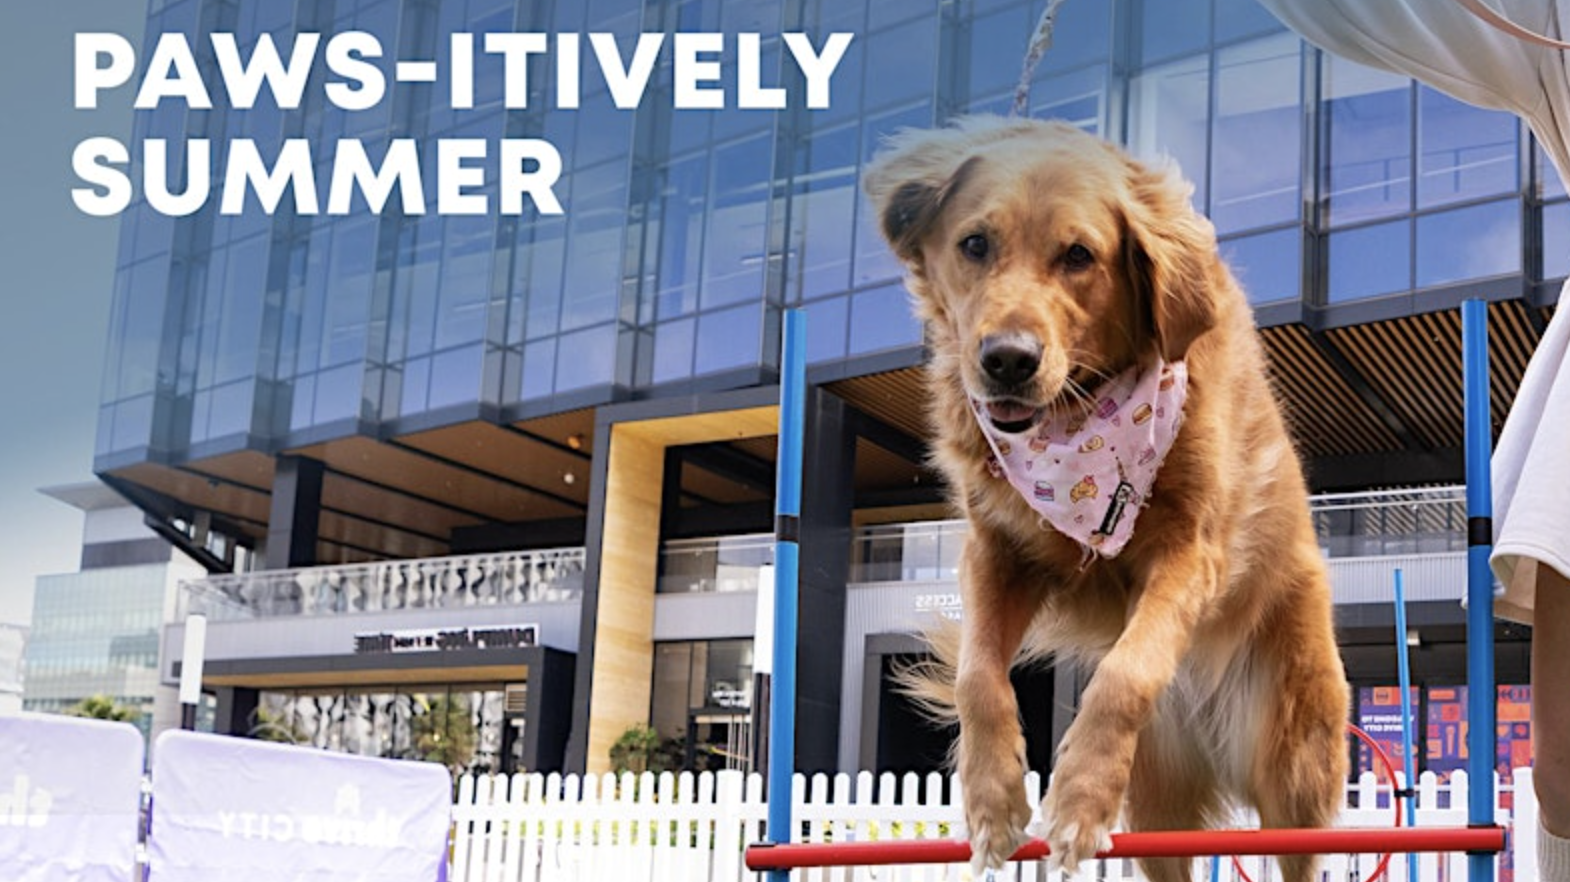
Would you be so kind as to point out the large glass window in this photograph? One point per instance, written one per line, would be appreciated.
(1369, 261)
(1469, 243)
(1268, 265)
(1168, 30)
(1464, 152)
(465, 729)
(823, 206)
(1257, 146)
(702, 701)
(1556, 240)
(1169, 115)
(1367, 148)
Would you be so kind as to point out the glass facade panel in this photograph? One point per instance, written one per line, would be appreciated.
(1258, 134)
(1549, 183)
(1469, 243)
(1243, 18)
(1169, 116)
(685, 231)
(1167, 30)
(823, 205)
(96, 633)
(702, 702)
(881, 319)
(1555, 243)
(1268, 265)
(1367, 148)
(1464, 152)
(1370, 261)
(465, 728)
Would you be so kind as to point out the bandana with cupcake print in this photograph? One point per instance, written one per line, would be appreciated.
(1088, 471)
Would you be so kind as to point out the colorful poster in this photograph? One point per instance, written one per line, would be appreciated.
(1379, 715)
(1513, 741)
(1447, 729)
(70, 793)
(250, 811)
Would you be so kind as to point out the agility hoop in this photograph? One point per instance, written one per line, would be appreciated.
(1174, 843)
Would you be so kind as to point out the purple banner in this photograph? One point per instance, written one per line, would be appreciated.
(70, 791)
(238, 810)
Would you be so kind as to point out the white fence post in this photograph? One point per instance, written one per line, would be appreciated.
(1524, 829)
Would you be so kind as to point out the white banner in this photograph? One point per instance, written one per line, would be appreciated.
(69, 796)
(235, 810)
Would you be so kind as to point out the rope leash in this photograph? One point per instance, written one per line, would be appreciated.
(1040, 42)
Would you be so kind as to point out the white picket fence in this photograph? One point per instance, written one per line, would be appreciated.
(533, 828)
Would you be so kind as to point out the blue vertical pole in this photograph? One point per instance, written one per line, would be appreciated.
(1480, 738)
(1405, 670)
(787, 520)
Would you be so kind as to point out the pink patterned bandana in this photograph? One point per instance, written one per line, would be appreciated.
(1089, 473)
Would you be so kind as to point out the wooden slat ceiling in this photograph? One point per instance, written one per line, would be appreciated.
(1311, 391)
(898, 398)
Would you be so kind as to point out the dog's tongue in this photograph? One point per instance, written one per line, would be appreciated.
(1009, 412)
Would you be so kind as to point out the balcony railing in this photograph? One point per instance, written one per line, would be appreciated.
(430, 583)
(1431, 520)
(726, 563)
(1371, 524)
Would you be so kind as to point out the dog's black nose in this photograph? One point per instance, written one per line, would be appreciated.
(1010, 359)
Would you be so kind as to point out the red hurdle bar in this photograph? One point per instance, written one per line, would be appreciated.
(1175, 843)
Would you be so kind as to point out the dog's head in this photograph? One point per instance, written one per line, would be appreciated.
(1043, 260)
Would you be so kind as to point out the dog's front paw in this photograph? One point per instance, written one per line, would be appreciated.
(1081, 806)
(996, 810)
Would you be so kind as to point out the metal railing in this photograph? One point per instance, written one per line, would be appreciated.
(726, 563)
(1369, 524)
(506, 578)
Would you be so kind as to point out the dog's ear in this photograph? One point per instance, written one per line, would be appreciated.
(909, 180)
(1170, 252)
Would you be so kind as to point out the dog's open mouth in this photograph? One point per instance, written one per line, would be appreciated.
(1011, 416)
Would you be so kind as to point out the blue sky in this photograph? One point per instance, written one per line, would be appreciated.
(57, 277)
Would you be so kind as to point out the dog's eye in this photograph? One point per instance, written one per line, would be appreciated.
(1077, 257)
(975, 246)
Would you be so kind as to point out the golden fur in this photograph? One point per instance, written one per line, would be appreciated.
(1216, 676)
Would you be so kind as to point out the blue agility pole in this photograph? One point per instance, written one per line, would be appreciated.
(787, 523)
(1480, 583)
(1403, 650)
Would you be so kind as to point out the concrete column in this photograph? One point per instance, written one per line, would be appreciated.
(236, 708)
(296, 511)
(827, 502)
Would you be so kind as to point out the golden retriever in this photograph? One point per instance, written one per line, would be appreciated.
(1048, 266)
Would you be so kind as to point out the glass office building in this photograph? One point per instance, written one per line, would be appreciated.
(95, 632)
(335, 390)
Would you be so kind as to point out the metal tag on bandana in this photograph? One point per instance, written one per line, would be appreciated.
(1088, 471)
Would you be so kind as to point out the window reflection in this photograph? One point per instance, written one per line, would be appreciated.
(1369, 261)
(1268, 265)
(1168, 29)
(702, 702)
(467, 729)
(1464, 152)
(1258, 134)
(1169, 112)
(1556, 240)
(1469, 243)
(1367, 148)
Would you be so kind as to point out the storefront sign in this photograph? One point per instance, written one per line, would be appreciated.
(447, 639)
(947, 604)
(250, 811)
(69, 795)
